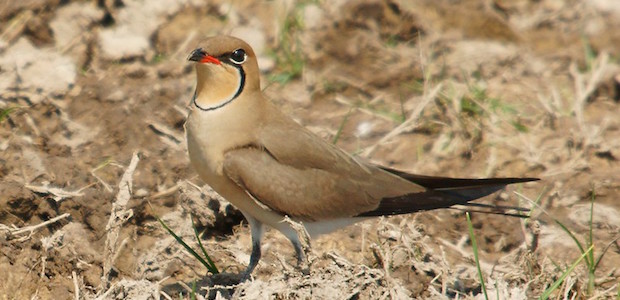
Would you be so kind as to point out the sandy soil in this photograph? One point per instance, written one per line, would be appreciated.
(93, 97)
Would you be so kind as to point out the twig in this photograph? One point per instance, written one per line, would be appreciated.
(105, 185)
(118, 216)
(106, 294)
(43, 265)
(102, 165)
(346, 102)
(76, 286)
(166, 192)
(183, 46)
(32, 124)
(606, 292)
(166, 134)
(411, 121)
(14, 28)
(162, 293)
(487, 267)
(120, 248)
(57, 193)
(32, 228)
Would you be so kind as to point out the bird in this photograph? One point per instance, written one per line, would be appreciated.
(271, 168)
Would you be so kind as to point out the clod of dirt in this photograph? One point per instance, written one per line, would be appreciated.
(72, 27)
(17, 202)
(603, 216)
(133, 289)
(134, 26)
(71, 241)
(41, 70)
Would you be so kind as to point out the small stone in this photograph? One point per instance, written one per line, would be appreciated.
(312, 16)
(116, 96)
(141, 193)
(170, 69)
(121, 43)
(364, 129)
(135, 70)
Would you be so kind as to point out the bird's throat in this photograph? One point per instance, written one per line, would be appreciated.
(218, 86)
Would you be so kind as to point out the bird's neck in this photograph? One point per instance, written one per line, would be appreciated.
(217, 88)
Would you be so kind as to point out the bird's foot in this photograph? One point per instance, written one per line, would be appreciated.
(303, 262)
(245, 276)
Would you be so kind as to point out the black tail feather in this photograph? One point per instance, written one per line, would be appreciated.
(501, 213)
(444, 192)
(446, 183)
(498, 207)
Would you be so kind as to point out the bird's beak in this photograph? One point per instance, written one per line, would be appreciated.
(200, 55)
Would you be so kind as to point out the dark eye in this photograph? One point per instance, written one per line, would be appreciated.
(238, 56)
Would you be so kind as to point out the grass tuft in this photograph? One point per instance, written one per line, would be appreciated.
(545, 295)
(586, 248)
(591, 262)
(288, 56)
(589, 54)
(474, 245)
(5, 112)
(206, 261)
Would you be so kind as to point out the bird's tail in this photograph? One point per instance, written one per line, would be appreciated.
(445, 192)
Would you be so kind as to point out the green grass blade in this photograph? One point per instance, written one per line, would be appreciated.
(536, 203)
(192, 295)
(180, 241)
(590, 257)
(403, 112)
(572, 236)
(341, 127)
(5, 112)
(211, 267)
(590, 235)
(496, 291)
(598, 260)
(559, 281)
(474, 245)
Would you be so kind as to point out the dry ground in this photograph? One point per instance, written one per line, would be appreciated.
(453, 88)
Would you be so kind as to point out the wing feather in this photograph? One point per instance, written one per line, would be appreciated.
(305, 193)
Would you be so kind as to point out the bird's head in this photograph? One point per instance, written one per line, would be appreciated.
(226, 69)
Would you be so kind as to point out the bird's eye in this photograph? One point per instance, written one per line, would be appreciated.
(238, 56)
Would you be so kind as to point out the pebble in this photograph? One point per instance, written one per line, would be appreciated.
(116, 96)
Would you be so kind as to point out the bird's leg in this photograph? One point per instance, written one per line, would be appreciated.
(302, 262)
(299, 237)
(257, 233)
(254, 257)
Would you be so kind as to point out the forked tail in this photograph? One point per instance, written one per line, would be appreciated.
(445, 192)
